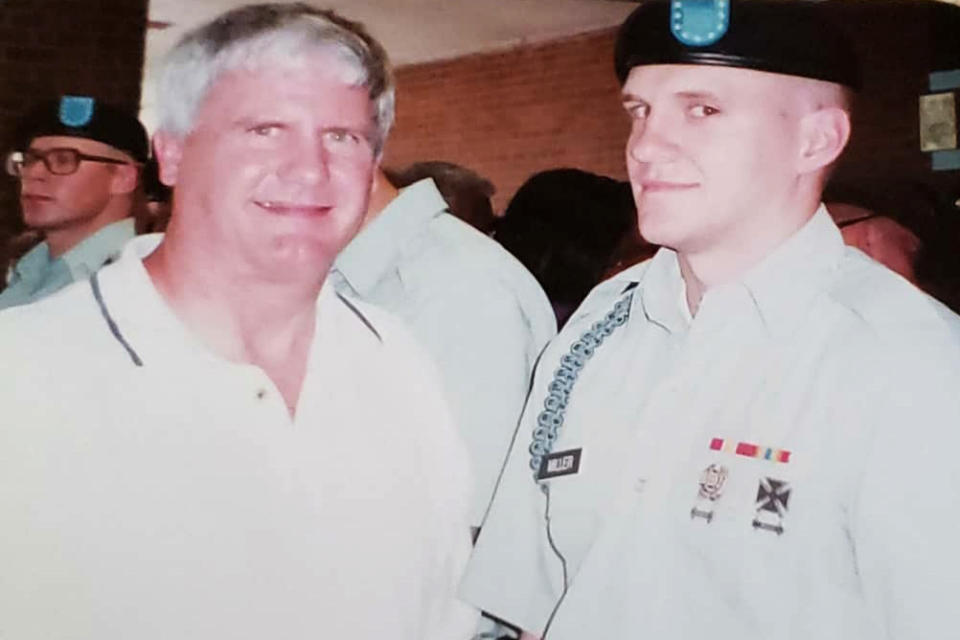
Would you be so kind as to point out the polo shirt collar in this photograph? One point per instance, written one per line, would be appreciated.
(149, 325)
(377, 247)
(780, 287)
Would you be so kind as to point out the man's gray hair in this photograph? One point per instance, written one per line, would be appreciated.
(273, 33)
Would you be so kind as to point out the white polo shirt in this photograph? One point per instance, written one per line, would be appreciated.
(782, 466)
(476, 310)
(150, 489)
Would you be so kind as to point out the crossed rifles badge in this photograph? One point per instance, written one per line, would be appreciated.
(772, 498)
(711, 488)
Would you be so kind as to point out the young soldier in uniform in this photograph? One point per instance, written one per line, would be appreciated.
(78, 163)
(753, 434)
(205, 441)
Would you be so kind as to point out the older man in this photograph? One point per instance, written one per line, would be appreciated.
(205, 441)
(78, 163)
(752, 434)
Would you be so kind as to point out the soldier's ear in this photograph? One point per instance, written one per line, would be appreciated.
(824, 134)
(124, 178)
(168, 150)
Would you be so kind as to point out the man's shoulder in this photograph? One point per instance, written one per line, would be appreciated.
(888, 330)
(63, 336)
(450, 256)
(376, 330)
(448, 240)
(888, 306)
(66, 310)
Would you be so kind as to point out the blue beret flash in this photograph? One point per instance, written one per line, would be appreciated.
(699, 23)
(76, 111)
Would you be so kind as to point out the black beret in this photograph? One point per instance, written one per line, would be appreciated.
(85, 117)
(791, 37)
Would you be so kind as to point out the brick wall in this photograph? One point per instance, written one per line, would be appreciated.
(511, 113)
(51, 47)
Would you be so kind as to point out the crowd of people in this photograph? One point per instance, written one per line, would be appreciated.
(258, 384)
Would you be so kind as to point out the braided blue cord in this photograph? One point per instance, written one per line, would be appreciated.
(550, 420)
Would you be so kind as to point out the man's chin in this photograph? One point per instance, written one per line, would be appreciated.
(298, 258)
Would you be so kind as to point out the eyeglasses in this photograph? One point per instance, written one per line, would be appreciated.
(60, 161)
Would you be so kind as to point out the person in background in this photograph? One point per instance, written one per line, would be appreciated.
(465, 191)
(475, 309)
(751, 435)
(564, 226)
(880, 237)
(78, 162)
(205, 440)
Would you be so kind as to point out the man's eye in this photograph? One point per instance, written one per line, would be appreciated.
(266, 130)
(703, 110)
(636, 109)
(342, 136)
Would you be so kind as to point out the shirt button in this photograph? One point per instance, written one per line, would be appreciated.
(261, 394)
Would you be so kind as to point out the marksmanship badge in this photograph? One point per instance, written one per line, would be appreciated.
(711, 488)
(712, 480)
(772, 499)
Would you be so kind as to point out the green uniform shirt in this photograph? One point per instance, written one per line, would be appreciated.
(36, 275)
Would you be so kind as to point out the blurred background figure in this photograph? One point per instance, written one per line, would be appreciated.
(78, 163)
(466, 192)
(564, 225)
(918, 243)
(480, 315)
(880, 237)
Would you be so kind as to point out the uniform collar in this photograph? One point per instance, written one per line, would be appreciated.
(82, 259)
(32, 264)
(779, 288)
(377, 247)
(98, 248)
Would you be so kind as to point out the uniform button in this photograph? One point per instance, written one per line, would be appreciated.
(261, 394)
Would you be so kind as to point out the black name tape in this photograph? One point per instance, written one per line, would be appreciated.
(561, 463)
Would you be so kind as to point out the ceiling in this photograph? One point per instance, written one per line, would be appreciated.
(412, 31)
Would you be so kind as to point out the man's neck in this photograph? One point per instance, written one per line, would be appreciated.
(242, 319)
(729, 260)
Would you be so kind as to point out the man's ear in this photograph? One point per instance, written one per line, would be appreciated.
(824, 134)
(168, 150)
(124, 178)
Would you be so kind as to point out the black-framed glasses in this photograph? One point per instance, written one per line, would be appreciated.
(60, 161)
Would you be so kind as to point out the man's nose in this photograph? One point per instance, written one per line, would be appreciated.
(651, 140)
(307, 160)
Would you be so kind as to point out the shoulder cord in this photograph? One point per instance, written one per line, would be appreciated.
(551, 418)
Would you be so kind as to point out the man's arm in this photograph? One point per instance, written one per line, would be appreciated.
(450, 481)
